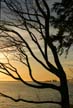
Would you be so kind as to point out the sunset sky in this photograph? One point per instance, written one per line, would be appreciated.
(38, 71)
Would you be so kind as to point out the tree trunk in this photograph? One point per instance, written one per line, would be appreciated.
(64, 92)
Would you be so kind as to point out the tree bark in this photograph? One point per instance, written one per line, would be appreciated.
(64, 92)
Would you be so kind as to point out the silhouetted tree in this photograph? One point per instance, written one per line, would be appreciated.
(35, 18)
(63, 22)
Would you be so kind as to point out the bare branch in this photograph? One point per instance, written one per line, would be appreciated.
(28, 101)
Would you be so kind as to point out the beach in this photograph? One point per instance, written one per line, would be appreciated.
(19, 90)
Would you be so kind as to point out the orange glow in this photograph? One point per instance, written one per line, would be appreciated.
(38, 72)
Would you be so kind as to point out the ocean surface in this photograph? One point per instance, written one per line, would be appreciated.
(19, 90)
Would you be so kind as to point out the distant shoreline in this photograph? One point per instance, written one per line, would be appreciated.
(69, 80)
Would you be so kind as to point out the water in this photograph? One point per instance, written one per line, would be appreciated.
(18, 90)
